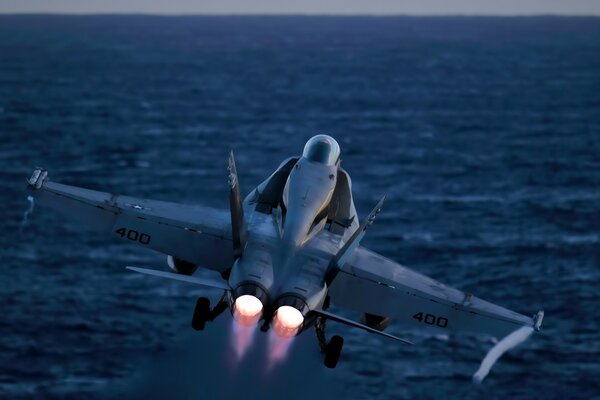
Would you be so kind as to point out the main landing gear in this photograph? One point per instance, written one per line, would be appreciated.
(331, 349)
(204, 314)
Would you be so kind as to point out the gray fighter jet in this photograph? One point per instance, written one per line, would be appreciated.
(284, 254)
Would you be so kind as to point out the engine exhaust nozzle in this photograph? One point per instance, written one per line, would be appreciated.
(287, 321)
(247, 309)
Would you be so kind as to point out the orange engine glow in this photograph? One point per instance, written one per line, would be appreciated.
(247, 310)
(287, 321)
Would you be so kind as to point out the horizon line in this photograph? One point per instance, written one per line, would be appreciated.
(268, 14)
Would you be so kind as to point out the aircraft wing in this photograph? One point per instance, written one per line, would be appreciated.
(196, 234)
(371, 283)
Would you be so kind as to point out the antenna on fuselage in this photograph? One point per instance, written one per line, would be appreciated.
(238, 224)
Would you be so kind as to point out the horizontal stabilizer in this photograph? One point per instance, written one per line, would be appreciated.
(196, 280)
(355, 324)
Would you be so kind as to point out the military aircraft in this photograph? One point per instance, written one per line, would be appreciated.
(284, 254)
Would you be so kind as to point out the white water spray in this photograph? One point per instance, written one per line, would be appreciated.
(509, 342)
(27, 212)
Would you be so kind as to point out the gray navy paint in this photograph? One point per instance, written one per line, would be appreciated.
(276, 255)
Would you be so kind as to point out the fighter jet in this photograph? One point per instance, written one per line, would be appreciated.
(284, 254)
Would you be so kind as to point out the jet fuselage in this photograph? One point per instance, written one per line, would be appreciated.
(282, 262)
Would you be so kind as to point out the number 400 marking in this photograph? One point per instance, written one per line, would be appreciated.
(431, 319)
(135, 236)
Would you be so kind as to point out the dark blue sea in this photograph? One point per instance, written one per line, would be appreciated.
(483, 132)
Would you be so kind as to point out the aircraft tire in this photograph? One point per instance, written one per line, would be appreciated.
(201, 313)
(333, 351)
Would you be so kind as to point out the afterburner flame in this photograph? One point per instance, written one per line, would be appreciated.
(247, 309)
(241, 338)
(287, 321)
(278, 348)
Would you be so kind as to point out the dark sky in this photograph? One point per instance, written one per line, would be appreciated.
(379, 7)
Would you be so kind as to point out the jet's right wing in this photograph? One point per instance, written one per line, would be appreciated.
(199, 235)
(371, 283)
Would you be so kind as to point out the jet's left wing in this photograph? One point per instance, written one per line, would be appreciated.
(199, 235)
(371, 283)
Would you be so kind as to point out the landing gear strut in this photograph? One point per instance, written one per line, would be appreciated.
(203, 313)
(331, 349)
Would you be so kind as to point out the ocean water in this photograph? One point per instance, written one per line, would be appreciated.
(483, 132)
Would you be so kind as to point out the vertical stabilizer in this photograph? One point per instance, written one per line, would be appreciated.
(338, 261)
(238, 224)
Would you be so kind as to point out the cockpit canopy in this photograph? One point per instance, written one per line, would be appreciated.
(323, 149)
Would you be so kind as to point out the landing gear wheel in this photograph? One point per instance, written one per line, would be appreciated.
(201, 313)
(333, 351)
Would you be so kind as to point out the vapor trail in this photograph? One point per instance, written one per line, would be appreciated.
(27, 212)
(509, 342)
